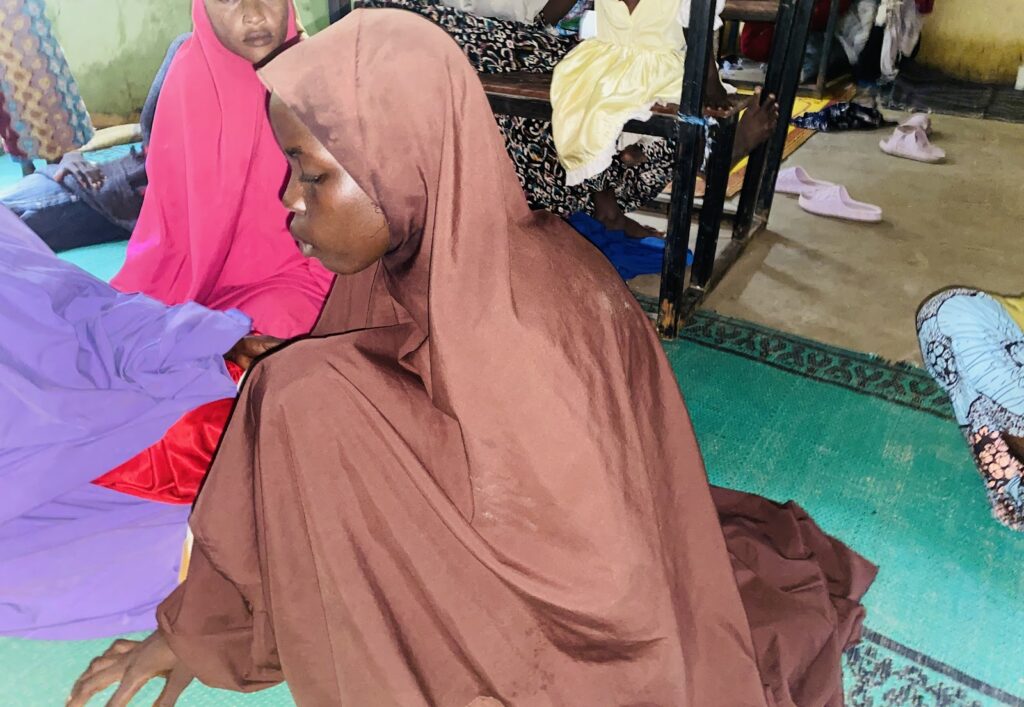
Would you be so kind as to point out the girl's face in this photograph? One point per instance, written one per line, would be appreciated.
(252, 29)
(333, 219)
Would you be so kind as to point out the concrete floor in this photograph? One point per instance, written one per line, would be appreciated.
(859, 286)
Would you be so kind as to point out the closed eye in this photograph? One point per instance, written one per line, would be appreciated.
(311, 178)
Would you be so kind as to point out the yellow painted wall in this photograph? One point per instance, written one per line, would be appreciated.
(114, 47)
(981, 40)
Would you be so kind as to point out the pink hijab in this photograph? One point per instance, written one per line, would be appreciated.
(212, 227)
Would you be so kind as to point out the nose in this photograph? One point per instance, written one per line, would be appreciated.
(292, 198)
(253, 12)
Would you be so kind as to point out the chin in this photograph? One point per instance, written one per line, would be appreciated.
(345, 268)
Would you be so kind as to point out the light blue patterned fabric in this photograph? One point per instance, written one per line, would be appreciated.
(975, 351)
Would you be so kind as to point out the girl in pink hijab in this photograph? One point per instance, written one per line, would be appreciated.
(212, 229)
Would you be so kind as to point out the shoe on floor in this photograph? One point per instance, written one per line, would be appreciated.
(910, 142)
(796, 181)
(835, 202)
(919, 120)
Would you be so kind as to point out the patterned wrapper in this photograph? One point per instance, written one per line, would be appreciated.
(42, 115)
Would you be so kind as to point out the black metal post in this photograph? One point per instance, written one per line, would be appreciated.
(773, 81)
(716, 179)
(826, 48)
(787, 97)
(336, 9)
(689, 137)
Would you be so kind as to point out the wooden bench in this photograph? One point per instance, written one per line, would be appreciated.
(529, 95)
(750, 10)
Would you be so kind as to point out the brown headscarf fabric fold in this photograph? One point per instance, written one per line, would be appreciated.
(479, 479)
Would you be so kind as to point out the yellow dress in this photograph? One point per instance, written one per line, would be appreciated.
(634, 62)
(1014, 306)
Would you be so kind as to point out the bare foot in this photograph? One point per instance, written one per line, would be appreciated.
(757, 125)
(716, 98)
(632, 155)
(608, 213)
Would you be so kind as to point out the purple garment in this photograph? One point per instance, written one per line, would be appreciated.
(90, 377)
(90, 564)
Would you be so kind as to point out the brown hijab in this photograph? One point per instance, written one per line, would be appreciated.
(479, 480)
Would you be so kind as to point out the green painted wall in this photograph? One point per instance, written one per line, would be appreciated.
(114, 47)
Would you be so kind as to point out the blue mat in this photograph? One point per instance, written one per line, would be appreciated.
(103, 260)
(10, 171)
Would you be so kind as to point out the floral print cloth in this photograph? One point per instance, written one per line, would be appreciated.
(975, 350)
(42, 115)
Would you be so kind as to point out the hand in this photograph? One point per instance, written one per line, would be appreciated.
(133, 664)
(85, 172)
(250, 348)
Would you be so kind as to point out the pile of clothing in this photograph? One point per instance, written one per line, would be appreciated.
(874, 35)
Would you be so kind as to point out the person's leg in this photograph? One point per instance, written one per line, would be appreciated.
(975, 352)
(756, 125)
(530, 145)
(532, 149)
(637, 181)
(57, 216)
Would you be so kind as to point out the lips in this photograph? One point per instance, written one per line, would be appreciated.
(258, 39)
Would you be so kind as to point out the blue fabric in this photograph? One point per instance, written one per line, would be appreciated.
(58, 215)
(975, 351)
(630, 256)
(149, 107)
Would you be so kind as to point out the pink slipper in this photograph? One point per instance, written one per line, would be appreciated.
(919, 120)
(911, 143)
(795, 180)
(835, 201)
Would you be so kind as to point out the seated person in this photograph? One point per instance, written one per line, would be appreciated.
(78, 203)
(212, 232)
(973, 345)
(211, 229)
(500, 36)
(635, 62)
(42, 115)
(450, 495)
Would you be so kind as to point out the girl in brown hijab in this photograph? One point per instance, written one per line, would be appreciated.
(478, 478)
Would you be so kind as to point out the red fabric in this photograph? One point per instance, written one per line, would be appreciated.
(819, 16)
(756, 37)
(8, 135)
(172, 470)
(756, 40)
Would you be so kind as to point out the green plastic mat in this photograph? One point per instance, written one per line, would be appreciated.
(870, 450)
